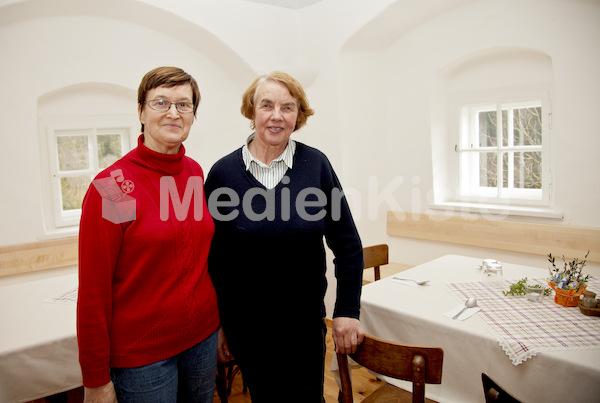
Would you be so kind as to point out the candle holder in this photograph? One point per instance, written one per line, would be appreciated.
(534, 292)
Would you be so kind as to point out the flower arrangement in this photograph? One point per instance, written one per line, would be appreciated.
(568, 282)
(569, 277)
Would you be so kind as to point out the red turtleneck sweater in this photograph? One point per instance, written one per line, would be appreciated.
(144, 290)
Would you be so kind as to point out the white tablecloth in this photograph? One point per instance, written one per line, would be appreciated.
(38, 344)
(415, 315)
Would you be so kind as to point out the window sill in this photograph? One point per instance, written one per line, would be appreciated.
(497, 209)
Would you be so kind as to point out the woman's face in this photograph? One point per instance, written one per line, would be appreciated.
(275, 114)
(165, 131)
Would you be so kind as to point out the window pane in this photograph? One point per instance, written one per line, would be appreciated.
(528, 170)
(488, 170)
(109, 149)
(528, 126)
(487, 129)
(505, 168)
(72, 191)
(504, 127)
(72, 153)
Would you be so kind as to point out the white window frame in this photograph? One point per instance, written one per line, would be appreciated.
(521, 202)
(57, 219)
(469, 152)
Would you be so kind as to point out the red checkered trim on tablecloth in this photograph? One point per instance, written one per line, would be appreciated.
(524, 328)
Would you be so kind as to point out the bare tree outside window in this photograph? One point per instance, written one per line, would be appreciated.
(73, 157)
(77, 163)
(521, 130)
(109, 149)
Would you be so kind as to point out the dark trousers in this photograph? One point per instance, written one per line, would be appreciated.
(282, 364)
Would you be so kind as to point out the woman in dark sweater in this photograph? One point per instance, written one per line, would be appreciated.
(274, 200)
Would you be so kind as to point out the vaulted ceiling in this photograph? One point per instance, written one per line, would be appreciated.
(287, 3)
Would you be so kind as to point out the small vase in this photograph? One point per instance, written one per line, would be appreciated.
(566, 298)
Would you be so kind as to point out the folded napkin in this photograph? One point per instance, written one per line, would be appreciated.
(67, 297)
(465, 315)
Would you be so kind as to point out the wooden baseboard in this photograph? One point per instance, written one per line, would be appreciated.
(36, 256)
(530, 238)
(512, 236)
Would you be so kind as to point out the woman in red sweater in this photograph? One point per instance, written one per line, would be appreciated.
(147, 314)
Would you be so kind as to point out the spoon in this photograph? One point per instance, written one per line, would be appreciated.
(414, 281)
(470, 303)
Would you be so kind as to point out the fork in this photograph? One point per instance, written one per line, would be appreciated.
(414, 281)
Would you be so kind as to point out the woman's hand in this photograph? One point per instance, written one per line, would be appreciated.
(102, 394)
(223, 353)
(347, 334)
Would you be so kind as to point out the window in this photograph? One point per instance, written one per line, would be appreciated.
(501, 153)
(491, 134)
(101, 126)
(76, 156)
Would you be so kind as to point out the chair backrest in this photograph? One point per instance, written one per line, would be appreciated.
(494, 393)
(418, 364)
(375, 256)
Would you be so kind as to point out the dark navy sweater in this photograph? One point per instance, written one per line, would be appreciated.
(267, 258)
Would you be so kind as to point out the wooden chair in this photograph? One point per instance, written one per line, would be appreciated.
(418, 364)
(376, 256)
(225, 374)
(494, 393)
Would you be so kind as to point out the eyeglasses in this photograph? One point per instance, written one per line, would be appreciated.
(162, 105)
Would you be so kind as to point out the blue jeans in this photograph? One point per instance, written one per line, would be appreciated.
(187, 377)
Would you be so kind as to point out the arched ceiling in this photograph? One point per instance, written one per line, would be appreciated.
(396, 20)
(141, 14)
(294, 4)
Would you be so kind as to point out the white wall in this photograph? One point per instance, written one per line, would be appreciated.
(369, 69)
(392, 89)
(42, 55)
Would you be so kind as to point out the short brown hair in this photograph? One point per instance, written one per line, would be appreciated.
(293, 86)
(168, 77)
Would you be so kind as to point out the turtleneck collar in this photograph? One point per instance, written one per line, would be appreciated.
(169, 163)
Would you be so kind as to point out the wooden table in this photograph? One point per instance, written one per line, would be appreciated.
(395, 311)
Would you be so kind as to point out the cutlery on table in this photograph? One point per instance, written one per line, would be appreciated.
(414, 281)
(469, 303)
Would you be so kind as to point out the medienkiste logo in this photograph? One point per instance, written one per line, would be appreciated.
(226, 204)
(117, 206)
